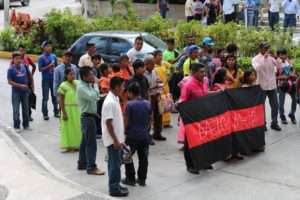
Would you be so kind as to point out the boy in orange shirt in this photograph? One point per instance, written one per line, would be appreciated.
(125, 70)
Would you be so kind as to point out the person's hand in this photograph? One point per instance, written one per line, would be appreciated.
(23, 86)
(65, 116)
(117, 145)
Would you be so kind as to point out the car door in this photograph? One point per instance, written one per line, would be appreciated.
(118, 47)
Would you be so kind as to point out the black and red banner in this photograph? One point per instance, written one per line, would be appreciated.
(220, 124)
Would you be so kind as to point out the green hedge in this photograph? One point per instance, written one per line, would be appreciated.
(63, 28)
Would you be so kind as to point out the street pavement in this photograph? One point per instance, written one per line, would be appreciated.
(38, 8)
(272, 175)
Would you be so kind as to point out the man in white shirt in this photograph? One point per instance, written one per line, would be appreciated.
(137, 51)
(86, 59)
(188, 10)
(113, 136)
(291, 10)
(274, 8)
(228, 10)
(265, 67)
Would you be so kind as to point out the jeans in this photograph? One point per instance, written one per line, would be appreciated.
(142, 149)
(273, 100)
(88, 146)
(47, 85)
(250, 18)
(163, 12)
(289, 21)
(20, 97)
(157, 116)
(273, 19)
(256, 17)
(114, 168)
(282, 100)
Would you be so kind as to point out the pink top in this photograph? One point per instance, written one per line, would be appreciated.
(193, 89)
(265, 66)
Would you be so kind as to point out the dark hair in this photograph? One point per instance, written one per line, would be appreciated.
(123, 57)
(137, 64)
(115, 82)
(67, 71)
(282, 51)
(89, 45)
(246, 77)
(96, 57)
(235, 66)
(21, 46)
(134, 88)
(170, 41)
(232, 48)
(103, 68)
(195, 67)
(84, 71)
(140, 38)
(156, 52)
(220, 76)
(15, 54)
(115, 67)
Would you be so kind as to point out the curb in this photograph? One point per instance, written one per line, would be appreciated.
(45, 164)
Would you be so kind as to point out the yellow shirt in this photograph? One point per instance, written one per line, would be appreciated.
(187, 65)
(235, 82)
(163, 73)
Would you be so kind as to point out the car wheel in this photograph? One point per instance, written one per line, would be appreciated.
(25, 3)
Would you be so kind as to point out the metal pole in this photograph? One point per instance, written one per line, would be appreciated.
(6, 13)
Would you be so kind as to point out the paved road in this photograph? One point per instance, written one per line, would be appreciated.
(271, 175)
(38, 8)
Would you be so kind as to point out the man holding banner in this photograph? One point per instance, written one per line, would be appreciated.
(265, 66)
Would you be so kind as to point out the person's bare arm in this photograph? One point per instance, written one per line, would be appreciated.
(42, 69)
(17, 85)
(62, 106)
(110, 128)
(126, 120)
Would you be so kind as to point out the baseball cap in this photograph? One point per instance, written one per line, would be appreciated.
(208, 41)
(193, 48)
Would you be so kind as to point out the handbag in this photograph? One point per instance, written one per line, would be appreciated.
(167, 103)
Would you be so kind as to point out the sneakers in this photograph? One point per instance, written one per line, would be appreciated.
(141, 182)
(283, 120)
(57, 115)
(159, 138)
(275, 127)
(96, 172)
(193, 171)
(30, 119)
(46, 118)
(293, 119)
(126, 181)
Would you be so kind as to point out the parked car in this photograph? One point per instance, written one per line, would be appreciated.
(112, 44)
(23, 2)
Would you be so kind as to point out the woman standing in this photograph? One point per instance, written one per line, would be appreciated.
(70, 131)
(163, 71)
(234, 74)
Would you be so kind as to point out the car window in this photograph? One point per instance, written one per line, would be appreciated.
(100, 42)
(119, 46)
(154, 41)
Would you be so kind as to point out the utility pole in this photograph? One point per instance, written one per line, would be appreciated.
(6, 13)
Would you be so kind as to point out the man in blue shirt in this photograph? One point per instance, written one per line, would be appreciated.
(137, 125)
(18, 77)
(47, 62)
(291, 10)
(59, 71)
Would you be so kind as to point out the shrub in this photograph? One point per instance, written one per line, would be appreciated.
(8, 39)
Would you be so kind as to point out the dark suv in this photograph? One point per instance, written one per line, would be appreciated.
(112, 44)
(23, 2)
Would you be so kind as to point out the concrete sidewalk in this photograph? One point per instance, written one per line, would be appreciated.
(21, 178)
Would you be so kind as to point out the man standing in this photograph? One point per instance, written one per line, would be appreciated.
(29, 63)
(18, 77)
(113, 136)
(87, 97)
(265, 66)
(291, 10)
(137, 51)
(274, 8)
(155, 88)
(59, 71)
(162, 7)
(188, 10)
(86, 59)
(47, 62)
(228, 10)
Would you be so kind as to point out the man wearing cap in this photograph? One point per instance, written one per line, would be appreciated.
(47, 62)
(265, 66)
(59, 72)
(206, 56)
(19, 78)
(86, 59)
(193, 58)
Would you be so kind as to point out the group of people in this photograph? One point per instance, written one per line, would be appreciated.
(207, 11)
(122, 102)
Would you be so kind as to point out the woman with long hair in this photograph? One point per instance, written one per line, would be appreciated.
(234, 73)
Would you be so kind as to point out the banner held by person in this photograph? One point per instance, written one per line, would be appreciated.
(221, 123)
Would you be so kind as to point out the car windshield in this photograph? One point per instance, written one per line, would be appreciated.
(154, 41)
